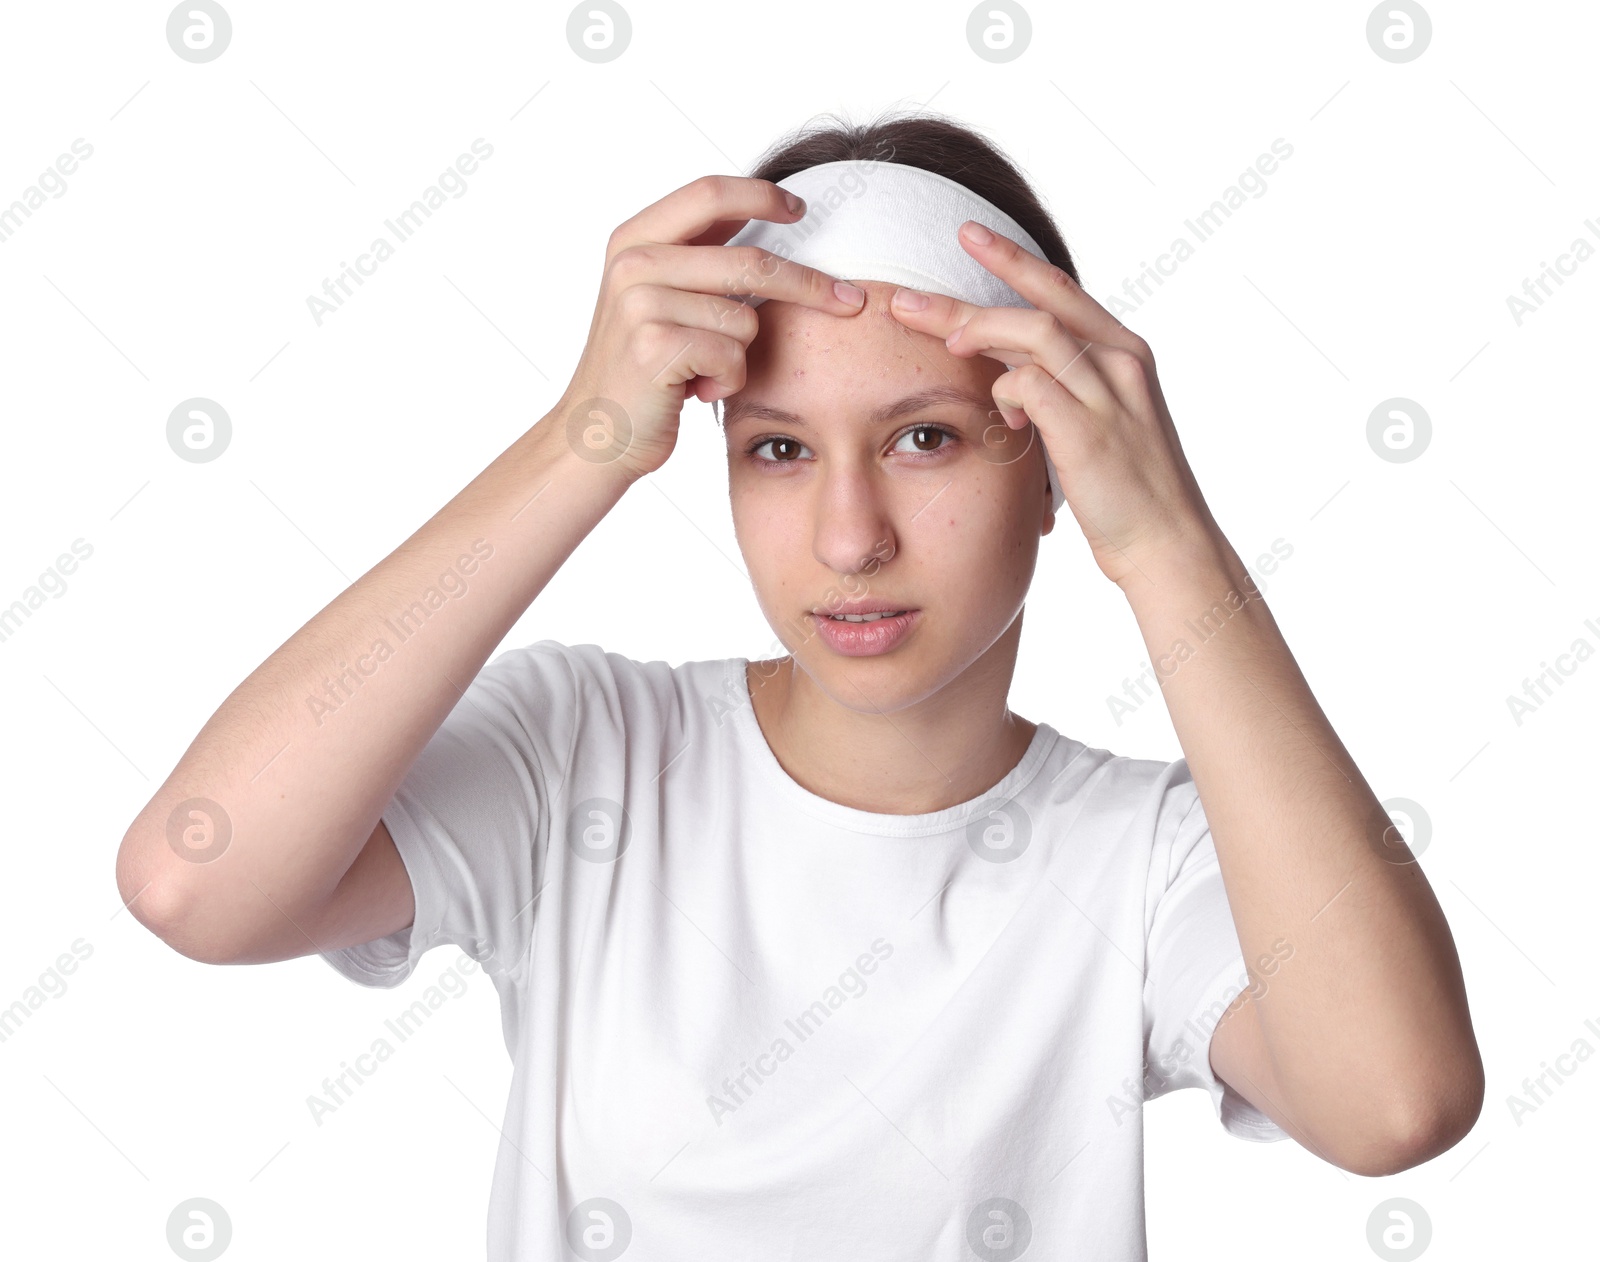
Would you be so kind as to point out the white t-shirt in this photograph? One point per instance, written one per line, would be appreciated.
(749, 1022)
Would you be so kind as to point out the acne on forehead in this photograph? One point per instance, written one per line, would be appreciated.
(886, 351)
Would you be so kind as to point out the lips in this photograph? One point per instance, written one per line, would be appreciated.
(865, 639)
(862, 607)
(862, 618)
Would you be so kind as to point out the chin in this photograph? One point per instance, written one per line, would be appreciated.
(881, 683)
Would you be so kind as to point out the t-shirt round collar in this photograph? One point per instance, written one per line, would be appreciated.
(931, 823)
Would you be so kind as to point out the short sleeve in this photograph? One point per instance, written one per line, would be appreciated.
(1194, 965)
(470, 820)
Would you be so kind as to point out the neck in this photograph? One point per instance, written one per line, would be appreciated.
(935, 752)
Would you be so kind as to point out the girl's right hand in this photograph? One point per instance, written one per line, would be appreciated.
(664, 326)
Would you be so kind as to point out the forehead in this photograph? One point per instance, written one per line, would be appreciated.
(801, 355)
(793, 327)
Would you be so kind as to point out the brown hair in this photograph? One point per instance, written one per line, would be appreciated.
(933, 142)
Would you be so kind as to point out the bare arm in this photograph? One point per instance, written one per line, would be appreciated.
(301, 759)
(1363, 1047)
(302, 770)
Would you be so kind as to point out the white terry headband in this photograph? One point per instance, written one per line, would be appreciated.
(886, 221)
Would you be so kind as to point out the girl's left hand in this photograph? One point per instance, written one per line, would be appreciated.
(1089, 384)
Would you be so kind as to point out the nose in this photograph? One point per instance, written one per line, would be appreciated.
(855, 527)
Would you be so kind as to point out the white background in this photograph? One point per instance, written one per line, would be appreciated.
(1418, 596)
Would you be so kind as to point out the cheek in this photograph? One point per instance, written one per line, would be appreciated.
(745, 500)
(770, 544)
(985, 538)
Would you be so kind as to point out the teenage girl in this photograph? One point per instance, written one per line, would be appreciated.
(833, 954)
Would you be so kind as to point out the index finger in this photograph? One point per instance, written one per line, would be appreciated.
(1051, 289)
(707, 211)
(745, 273)
(712, 209)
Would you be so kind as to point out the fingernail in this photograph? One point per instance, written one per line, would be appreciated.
(977, 233)
(794, 203)
(846, 292)
(1010, 403)
(910, 299)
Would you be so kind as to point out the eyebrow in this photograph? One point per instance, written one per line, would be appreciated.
(889, 411)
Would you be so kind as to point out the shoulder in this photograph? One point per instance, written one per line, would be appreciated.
(1119, 782)
(606, 689)
(604, 725)
(1135, 806)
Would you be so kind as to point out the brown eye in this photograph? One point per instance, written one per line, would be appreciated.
(926, 439)
(793, 448)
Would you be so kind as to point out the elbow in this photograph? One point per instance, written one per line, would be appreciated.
(136, 885)
(1411, 1145)
(152, 899)
(1427, 1123)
